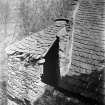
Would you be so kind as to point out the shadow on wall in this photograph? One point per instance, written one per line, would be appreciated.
(86, 87)
(51, 74)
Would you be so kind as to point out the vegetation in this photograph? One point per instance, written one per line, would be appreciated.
(38, 14)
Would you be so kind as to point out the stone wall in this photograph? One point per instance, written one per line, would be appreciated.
(24, 83)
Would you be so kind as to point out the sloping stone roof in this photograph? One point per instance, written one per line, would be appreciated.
(37, 43)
